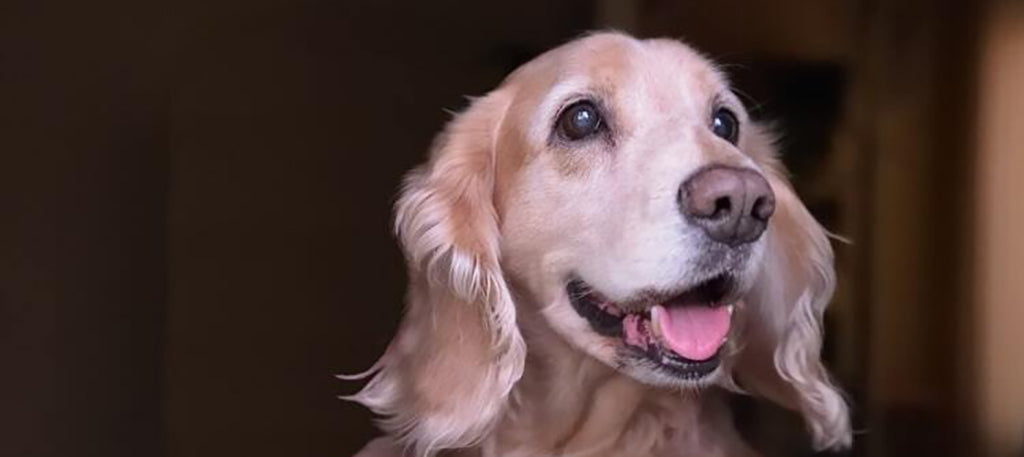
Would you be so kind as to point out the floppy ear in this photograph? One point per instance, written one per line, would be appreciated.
(781, 355)
(446, 376)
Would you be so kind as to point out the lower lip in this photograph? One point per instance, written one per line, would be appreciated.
(677, 366)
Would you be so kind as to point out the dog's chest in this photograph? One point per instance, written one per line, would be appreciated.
(618, 420)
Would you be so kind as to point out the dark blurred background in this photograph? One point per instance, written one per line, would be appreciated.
(195, 200)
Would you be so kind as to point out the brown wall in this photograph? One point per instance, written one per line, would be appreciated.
(83, 178)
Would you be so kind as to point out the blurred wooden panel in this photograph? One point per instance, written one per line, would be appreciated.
(797, 29)
(912, 113)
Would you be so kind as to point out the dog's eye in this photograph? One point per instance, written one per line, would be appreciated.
(579, 120)
(725, 125)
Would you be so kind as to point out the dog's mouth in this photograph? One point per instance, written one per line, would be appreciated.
(681, 333)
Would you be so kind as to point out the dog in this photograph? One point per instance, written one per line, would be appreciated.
(600, 250)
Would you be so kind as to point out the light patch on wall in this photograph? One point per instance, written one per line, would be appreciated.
(999, 323)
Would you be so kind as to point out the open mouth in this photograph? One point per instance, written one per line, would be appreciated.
(680, 333)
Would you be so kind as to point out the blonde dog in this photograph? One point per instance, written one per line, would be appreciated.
(599, 250)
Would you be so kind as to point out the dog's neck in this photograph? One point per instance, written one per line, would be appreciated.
(568, 403)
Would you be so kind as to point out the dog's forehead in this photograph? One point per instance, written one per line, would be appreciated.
(671, 67)
(612, 63)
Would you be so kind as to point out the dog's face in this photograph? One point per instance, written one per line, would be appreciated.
(616, 188)
(629, 209)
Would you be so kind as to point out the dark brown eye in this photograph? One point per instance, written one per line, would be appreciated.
(580, 120)
(725, 125)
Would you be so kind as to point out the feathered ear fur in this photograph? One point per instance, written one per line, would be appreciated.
(446, 376)
(781, 357)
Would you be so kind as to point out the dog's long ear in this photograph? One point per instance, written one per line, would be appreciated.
(781, 355)
(447, 375)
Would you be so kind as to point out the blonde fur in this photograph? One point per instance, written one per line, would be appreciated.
(491, 361)
(445, 378)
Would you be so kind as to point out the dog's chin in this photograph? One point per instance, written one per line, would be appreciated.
(667, 338)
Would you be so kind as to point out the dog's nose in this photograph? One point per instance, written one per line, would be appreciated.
(731, 204)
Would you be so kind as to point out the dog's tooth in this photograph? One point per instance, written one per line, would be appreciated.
(730, 309)
(655, 315)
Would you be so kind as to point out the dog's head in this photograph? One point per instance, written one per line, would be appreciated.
(621, 186)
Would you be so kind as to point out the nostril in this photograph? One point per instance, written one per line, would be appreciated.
(763, 208)
(723, 206)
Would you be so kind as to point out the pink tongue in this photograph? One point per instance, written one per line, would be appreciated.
(694, 332)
